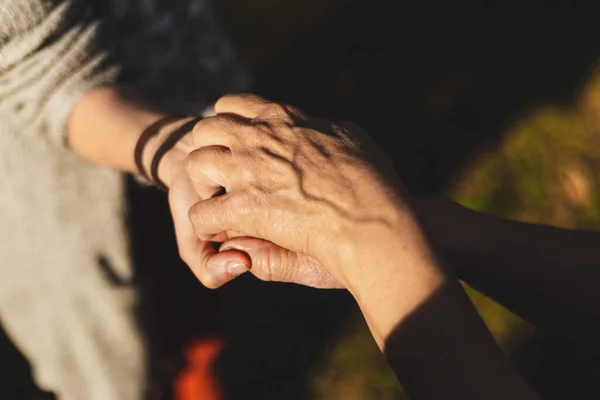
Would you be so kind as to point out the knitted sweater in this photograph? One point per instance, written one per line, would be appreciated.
(58, 213)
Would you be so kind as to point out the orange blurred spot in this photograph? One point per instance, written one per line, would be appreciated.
(197, 381)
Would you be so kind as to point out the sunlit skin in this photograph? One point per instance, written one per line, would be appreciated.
(324, 209)
(104, 129)
(301, 189)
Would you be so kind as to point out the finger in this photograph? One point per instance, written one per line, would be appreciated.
(270, 262)
(220, 130)
(224, 267)
(257, 108)
(225, 236)
(197, 253)
(245, 104)
(215, 215)
(206, 188)
(210, 169)
(350, 132)
(279, 112)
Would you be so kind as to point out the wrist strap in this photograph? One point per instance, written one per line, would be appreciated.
(167, 145)
(149, 132)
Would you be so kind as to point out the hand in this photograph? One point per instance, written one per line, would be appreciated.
(272, 263)
(232, 258)
(301, 183)
(183, 195)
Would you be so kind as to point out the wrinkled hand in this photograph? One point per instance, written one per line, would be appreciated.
(302, 185)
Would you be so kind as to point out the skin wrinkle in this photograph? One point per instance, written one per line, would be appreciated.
(299, 175)
(298, 151)
(263, 132)
(391, 272)
(301, 267)
(347, 182)
(343, 141)
(266, 128)
(319, 148)
(265, 266)
(272, 112)
(271, 149)
(224, 124)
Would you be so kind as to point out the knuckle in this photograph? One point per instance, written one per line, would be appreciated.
(242, 204)
(249, 99)
(192, 165)
(290, 261)
(232, 102)
(195, 215)
(223, 124)
(207, 123)
(277, 265)
(264, 270)
(214, 123)
(274, 110)
(216, 154)
(200, 159)
(295, 113)
(194, 162)
(200, 127)
(224, 100)
(262, 134)
(282, 112)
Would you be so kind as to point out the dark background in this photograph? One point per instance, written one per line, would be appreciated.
(432, 85)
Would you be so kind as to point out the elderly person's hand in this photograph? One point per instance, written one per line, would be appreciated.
(312, 208)
(301, 195)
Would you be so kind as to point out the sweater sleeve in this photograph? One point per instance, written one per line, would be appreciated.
(47, 64)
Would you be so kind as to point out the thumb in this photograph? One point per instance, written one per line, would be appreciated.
(270, 262)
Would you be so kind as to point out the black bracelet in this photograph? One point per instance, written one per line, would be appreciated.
(167, 145)
(148, 133)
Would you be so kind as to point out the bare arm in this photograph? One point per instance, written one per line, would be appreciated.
(548, 275)
(427, 328)
(104, 129)
(313, 194)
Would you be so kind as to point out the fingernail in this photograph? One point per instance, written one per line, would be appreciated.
(235, 268)
(225, 247)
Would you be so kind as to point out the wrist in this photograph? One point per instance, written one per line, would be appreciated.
(104, 128)
(372, 256)
(449, 229)
(357, 239)
(392, 281)
(171, 161)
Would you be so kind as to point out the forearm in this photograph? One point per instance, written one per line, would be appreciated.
(548, 275)
(104, 129)
(429, 331)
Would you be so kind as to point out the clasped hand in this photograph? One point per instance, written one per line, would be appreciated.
(291, 198)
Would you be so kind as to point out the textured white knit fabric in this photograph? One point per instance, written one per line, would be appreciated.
(58, 214)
